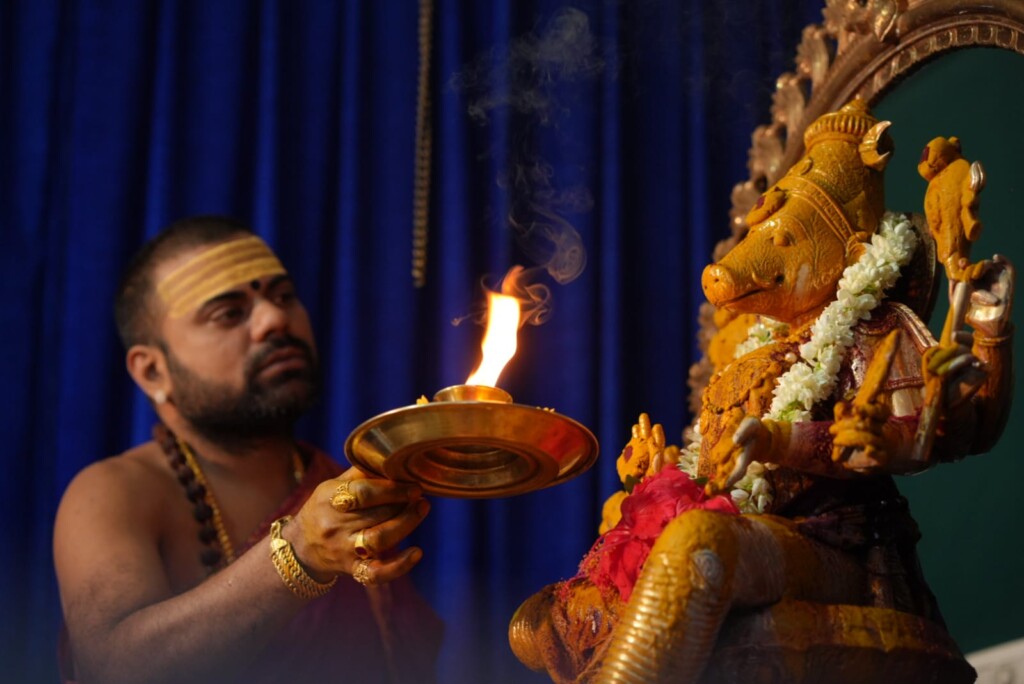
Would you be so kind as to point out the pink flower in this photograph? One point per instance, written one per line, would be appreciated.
(616, 558)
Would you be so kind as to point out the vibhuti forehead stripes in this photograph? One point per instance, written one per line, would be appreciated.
(215, 270)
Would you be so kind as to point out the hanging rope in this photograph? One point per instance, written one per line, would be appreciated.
(421, 172)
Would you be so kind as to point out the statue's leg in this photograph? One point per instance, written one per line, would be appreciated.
(702, 565)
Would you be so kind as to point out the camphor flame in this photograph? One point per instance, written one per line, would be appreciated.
(499, 345)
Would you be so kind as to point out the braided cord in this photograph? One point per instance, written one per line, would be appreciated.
(424, 142)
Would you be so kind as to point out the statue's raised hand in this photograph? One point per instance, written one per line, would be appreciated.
(991, 297)
(988, 297)
(645, 454)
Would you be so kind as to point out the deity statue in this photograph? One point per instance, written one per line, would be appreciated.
(776, 546)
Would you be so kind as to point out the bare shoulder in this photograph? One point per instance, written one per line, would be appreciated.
(134, 483)
(106, 540)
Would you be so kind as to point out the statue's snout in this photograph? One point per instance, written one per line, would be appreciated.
(718, 283)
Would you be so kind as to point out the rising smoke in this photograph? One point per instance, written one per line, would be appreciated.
(527, 74)
(533, 77)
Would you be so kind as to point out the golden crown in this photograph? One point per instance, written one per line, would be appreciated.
(841, 180)
(851, 122)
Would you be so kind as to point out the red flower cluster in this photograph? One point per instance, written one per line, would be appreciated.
(617, 556)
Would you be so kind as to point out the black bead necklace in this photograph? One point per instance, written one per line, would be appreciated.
(213, 535)
(218, 551)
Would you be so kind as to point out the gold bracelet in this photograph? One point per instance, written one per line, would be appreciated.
(288, 567)
(997, 341)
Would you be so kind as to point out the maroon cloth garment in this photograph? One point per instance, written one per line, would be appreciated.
(337, 637)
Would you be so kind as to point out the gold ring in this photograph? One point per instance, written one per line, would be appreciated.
(361, 548)
(361, 573)
(342, 499)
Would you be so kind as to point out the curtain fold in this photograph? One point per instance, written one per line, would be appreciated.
(299, 118)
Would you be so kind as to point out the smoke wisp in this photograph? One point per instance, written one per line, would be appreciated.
(534, 77)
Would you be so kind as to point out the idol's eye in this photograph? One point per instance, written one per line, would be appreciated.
(782, 237)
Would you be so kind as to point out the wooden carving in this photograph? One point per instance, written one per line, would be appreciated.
(862, 49)
(801, 431)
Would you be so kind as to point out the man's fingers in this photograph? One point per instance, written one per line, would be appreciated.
(374, 492)
(387, 534)
(381, 571)
(368, 517)
(348, 493)
(353, 473)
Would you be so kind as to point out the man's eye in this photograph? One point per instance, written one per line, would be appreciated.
(285, 296)
(227, 315)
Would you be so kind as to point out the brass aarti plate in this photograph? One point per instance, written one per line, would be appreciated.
(472, 442)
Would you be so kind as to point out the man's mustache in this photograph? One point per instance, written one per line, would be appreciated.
(274, 345)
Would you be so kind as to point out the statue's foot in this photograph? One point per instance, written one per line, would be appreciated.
(564, 628)
(528, 627)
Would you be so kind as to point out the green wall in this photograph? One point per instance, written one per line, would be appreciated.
(970, 512)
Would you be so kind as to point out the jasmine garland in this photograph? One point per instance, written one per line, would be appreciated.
(813, 376)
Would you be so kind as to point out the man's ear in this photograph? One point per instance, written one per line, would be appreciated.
(147, 365)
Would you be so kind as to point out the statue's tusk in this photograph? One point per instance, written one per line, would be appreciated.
(977, 177)
(869, 147)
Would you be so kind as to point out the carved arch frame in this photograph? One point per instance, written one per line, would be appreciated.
(862, 48)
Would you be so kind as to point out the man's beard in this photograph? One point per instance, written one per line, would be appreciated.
(262, 409)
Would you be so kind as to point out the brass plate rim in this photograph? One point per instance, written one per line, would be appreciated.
(568, 466)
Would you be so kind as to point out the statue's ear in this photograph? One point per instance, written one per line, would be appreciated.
(876, 147)
(854, 251)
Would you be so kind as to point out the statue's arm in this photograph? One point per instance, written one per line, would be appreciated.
(992, 403)
(811, 447)
(804, 446)
(989, 314)
(845, 449)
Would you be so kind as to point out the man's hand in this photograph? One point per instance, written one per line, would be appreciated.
(368, 526)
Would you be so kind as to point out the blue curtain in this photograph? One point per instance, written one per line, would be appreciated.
(629, 120)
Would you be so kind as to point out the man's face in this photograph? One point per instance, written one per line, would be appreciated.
(243, 363)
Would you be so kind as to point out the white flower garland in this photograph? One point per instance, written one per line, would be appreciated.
(861, 289)
(760, 334)
(813, 377)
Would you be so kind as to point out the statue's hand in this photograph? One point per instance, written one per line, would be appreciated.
(645, 454)
(746, 439)
(858, 435)
(960, 371)
(991, 296)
